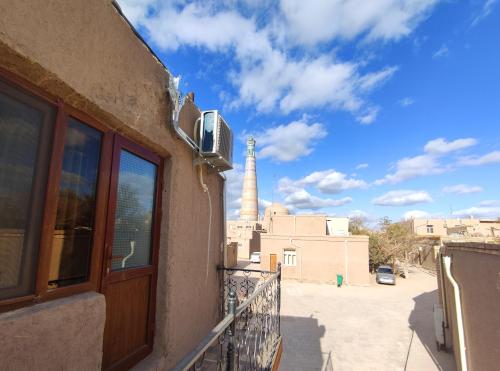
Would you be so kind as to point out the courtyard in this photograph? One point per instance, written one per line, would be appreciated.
(372, 327)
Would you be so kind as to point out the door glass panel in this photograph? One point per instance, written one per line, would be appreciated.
(135, 201)
(25, 127)
(72, 240)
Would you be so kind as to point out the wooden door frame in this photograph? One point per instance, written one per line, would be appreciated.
(107, 275)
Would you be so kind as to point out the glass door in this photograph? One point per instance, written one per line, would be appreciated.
(129, 280)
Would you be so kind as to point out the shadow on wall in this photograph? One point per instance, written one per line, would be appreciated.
(421, 321)
(303, 334)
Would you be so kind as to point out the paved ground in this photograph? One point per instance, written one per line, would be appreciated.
(361, 328)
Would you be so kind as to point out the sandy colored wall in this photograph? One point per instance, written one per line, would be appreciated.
(298, 225)
(64, 334)
(474, 227)
(231, 255)
(319, 259)
(83, 52)
(243, 249)
(476, 268)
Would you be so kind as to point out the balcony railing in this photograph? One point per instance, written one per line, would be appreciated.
(248, 338)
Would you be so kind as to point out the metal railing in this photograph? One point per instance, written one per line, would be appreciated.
(248, 336)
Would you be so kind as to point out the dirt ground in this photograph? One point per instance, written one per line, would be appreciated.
(376, 327)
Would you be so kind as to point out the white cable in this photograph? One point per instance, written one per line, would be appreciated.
(205, 189)
(209, 230)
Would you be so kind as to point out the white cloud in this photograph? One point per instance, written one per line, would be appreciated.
(462, 189)
(234, 186)
(263, 203)
(411, 167)
(489, 158)
(415, 214)
(491, 211)
(265, 74)
(428, 163)
(289, 142)
(319, 21)
(485, 11)
(301, 199)
(331, 181)
(440, 146)
(372, 80)
(327, 181)
(368, 116)
(362, 166)
(402, 198)
(406, 101)
(443, 51)
(490, 203)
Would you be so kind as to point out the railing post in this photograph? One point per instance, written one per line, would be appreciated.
(279, 298)
(231, 359)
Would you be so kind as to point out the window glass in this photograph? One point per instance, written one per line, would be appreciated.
(135, 201)
(25, 132)
(73, 232)
(289, 257)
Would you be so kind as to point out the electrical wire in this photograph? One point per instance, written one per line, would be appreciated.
(205, 189)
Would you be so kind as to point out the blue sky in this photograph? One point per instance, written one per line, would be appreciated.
(380, 108)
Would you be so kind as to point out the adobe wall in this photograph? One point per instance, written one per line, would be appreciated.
(63, 334)
(476, 268)
(83, 52)
(231, 255)
(312, 225)
(319, 258)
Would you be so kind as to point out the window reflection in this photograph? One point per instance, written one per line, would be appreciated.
(24, 126)
(134, 212)
(72, 240)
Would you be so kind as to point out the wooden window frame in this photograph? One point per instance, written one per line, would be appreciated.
(41, 273)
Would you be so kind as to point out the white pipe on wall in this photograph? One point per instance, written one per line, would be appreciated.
(443, 297)
(458, 309)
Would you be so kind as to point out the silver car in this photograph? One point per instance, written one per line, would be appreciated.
(385, 274)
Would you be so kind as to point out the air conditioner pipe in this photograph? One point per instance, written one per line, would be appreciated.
(178, 103)
(458, 309)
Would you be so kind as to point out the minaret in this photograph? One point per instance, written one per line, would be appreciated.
(249, 204)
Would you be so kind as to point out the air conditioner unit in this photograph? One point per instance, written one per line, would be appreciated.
(216, 140)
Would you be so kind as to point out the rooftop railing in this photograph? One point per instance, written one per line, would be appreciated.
(248, 338)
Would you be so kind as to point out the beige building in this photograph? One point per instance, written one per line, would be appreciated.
(104, 225)
(469, 295)
(456, 228)
(307, 252)
(246, 235)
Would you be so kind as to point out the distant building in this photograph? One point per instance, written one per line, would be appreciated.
(313, 248)
(246, 234)
(447, 229)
